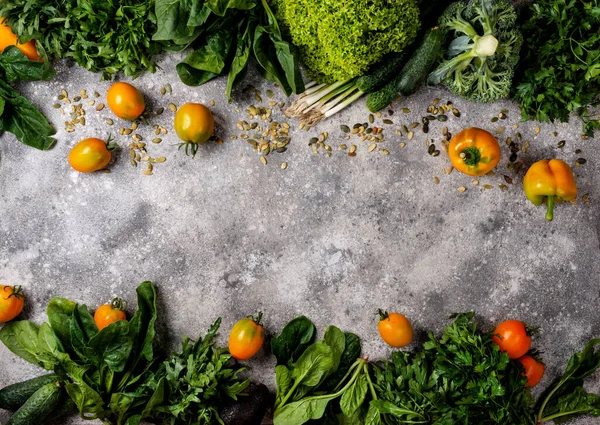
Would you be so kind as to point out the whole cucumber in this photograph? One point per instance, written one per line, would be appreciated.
(414, 73)
(14, 396)
(38, 407)
(383, 73)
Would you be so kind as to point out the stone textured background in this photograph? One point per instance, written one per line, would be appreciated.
(332, 238)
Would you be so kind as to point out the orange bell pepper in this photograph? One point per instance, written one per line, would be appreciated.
(8, 38)
(552, 181)
(474, 151)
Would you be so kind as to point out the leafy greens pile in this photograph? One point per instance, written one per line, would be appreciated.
(105, 36)
(341, 40)
(17, 114)
(560, 71)
(225, 35)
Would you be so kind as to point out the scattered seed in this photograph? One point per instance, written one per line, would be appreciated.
(442, 118)
(163, 91)
(159, 111)
(487, 186)
(475, 182)
(461, 189)
(172, 107)
(508, 180)
(580, 161)
(100, 107)
(449, 170)
(402, 144)
(513, 157)
(147, 172)
(156, 140)
(435, 152)
(500, 130)
(57, 106)
(263, 160)
(502, 115)
(160, 159)
(436, 180)
(577, 151)
(109, 121)
(410, 135)
(525, 147)
(586, 198)
(76, 98)
(345, 128)
(503, 187)
(352, 149)
(414, 125)
(456, 112)
(425, 128)
(211, 103)
(537, 129)
(388, 122)
(561, 144)
(127, 131)
(431, 149)
(494, 119)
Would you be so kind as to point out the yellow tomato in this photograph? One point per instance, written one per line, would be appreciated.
(125, 101)
(474, 151)
(90, 155)
(395, 329)
(8, 38)
(194, 123)
(11, 302)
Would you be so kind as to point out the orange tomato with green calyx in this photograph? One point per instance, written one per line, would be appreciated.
(246, 338)
(91, 155)
(11, 302)
(194, 124)
(512, 336)
(395, 329)
(474, 151)
(125, 101)
(108, 314)
(534, 370)
(8, 38)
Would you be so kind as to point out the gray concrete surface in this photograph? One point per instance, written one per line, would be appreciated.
(333, 238)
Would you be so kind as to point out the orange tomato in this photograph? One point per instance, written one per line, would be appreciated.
(534, 370)
(125, 101)
(110, 313)
(8, 38)
(246, 338)
(511, 336)
(11, 302)
(395, 329)
(474, 151)
(90, 155)
(194, 123)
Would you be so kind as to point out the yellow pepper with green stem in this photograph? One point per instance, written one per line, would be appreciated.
(550, 180)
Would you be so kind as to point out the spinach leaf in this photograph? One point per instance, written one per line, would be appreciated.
(113, 345)
(21, 338)
(22, 119)
(294, 338)
(284, 382)
(172, 19)
(51, 351)
(567, 398)
(313, 365)
(80, 337)
(17, 67)
(207, 62)
(354, 397)
(143, 321)
(59, 313)
(351, 352)
(301, 411)
(337, 342)
(265, 54)
(240, 60)
(220, 7)
(89, 403)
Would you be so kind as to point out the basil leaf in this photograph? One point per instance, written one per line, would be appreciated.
(294, 338)
(220, 7)
(22, 119)
(17, 67)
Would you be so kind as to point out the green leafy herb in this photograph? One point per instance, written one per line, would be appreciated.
(101, 36)
(560, 71)
(225, 35)
(294, 338)
(567, 399)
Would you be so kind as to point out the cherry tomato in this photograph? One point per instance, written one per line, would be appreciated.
(110, 313)
(90, 155)
(246, 338)
(11, 302)
(395, 329)
(194, 124)
(511, 336)
(8, 38)
(534, 370)
(125, 101)
(474, 151)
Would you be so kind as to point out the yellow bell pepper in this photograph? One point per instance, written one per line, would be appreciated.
(550, 180)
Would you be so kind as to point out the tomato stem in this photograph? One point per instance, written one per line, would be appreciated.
(118, 304)
(382, 314)
(257, 319)
(15, 292)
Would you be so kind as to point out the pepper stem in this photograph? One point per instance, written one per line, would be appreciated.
(550, 210)
(470, 156)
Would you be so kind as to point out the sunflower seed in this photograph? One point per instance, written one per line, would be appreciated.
(507, 179)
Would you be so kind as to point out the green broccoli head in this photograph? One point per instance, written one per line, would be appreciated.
(341, 40)
(480, 65)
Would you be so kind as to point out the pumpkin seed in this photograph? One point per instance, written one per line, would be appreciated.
(580, 161)
(133, 163)
(402, 144)
(414, 125)
(284, 165)
(147, 172)
(388, 122)
(442, 118)
(372, 147)
(263, 160)
(487, 186)
(405, 111)
(494, 119)
(109, 121)
(410, 135)
(371, 118)
(436, 180)
(172, 107)
(499, 130)
(461, 189)
(352, 149)
(100, 107)
(345, 128)
(431, 149)
(156, 140)
(503, 187)
(475, 182)
(211, 103)
(537, 129)
(159, 111)
(385, 151)
(507, 179)
(404, 128)
(561, 144)
(163, 91)
(56, 106)
(456, 112)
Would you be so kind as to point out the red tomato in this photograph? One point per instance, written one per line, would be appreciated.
(246, 338)
(110, 313)
(534, 370)
(395, 329)
(511, 336)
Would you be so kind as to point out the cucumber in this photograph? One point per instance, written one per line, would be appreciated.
(414, 73)
(38, 407)
(383, 73)
(14, 396)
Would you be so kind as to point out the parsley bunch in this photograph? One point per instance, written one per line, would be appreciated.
(105, 36)
(560, 69)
